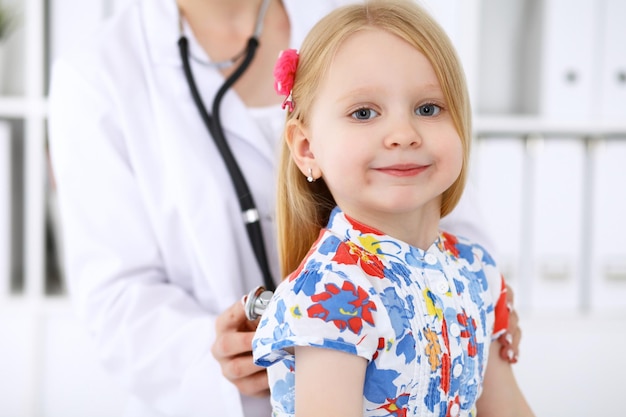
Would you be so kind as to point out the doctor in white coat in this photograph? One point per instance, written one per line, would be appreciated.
(154, 242)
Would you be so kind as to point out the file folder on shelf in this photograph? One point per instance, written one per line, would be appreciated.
(497, 171)
(608, 267)
(5, 208)
(557, 224)
(568, 86)
(612, 45)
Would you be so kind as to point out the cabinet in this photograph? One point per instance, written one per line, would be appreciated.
(550, 85)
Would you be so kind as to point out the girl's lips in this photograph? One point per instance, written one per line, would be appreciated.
(403, 170)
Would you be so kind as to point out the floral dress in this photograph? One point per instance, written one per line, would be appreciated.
(424, 320)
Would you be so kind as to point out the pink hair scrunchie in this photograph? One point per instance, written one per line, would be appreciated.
(284, 75)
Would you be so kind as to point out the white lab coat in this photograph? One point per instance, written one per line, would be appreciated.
(154, 241)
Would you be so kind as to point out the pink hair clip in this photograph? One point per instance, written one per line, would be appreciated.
(284, 74)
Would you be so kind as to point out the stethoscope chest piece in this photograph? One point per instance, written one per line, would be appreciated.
(256, 301)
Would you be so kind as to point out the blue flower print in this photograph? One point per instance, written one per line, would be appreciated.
(284, 393)
(347, 307)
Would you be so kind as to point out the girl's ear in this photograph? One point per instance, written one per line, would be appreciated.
(297, 138)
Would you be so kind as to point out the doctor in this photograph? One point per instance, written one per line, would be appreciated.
(157, 255)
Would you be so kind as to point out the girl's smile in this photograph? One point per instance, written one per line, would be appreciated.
(403, 170)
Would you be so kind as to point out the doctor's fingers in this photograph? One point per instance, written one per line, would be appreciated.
(231, 343)
(509, 349)
(234, 319)
(232, 351)
(254, 385)
(510, 341)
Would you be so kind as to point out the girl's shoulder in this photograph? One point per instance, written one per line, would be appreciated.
(465, 249)
(331, 259)
(475, 259)
(328, 301)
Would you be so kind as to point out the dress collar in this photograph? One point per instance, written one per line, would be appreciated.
(377, 242)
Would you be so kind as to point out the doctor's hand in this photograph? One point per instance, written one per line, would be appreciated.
(509, 341)
(233, 351)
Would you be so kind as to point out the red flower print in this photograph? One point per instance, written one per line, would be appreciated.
(360, 227)
(350, 254)
(468, 330)
(455, 404)
(381, 345)
(396, 406)
(445, 359)
(347, 307)
(449, 244)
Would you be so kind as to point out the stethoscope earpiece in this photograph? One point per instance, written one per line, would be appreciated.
(255, 302)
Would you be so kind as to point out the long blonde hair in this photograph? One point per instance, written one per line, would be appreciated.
(303, 208)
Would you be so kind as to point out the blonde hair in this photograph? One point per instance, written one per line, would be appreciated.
(303, 208)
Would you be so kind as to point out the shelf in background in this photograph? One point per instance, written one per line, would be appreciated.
(22, 107)
(535, 125)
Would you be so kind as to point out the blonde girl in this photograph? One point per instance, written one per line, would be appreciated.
(382, 313)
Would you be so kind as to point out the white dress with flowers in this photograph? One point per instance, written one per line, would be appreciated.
(423, 319)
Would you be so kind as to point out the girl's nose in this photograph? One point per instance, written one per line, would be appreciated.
(403, 132)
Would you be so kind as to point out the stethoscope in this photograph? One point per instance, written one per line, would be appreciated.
(256, 300)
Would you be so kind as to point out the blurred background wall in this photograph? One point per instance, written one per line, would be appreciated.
(548, 85)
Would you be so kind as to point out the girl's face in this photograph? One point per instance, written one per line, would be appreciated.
(380, 133)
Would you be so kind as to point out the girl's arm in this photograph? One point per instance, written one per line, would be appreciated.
(501, 396)
(329, 383)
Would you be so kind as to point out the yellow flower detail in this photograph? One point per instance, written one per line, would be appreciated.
(348, 313)
(430, 304)
(370, 244)
(295, 311)
(390, 344)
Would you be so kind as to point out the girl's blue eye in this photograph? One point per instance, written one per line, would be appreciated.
(428, 110)
(364, 114)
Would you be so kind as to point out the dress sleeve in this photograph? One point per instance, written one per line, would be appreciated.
(501, 311)
(323, 309)
(497, 289)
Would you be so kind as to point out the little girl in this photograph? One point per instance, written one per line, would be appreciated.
(386, 315)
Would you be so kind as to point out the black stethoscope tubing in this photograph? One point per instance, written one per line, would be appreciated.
(214, 126)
